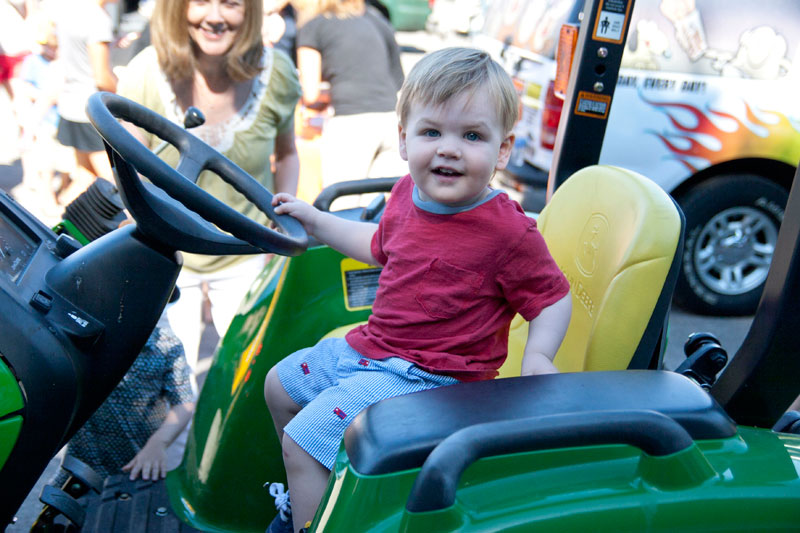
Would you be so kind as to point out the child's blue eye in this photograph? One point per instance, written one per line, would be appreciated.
(431, 133)
(472, 136)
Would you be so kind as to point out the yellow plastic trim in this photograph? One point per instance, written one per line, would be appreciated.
(349, 265)
(614, 234)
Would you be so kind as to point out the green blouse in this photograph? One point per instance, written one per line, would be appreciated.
(247, 139)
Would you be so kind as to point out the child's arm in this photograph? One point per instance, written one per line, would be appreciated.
(151, 461)
(545, 333)
(351, 237)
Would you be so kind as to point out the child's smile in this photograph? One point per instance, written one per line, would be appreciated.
(446, 172)
(453, 149)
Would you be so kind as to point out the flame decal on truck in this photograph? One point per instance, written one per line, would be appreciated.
(702, 138)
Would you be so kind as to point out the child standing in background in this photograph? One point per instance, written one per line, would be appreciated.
(143, 416)
(41, 78)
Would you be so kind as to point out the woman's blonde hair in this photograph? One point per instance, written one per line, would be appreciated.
(169, 31)
(450, 72)
(308, 9)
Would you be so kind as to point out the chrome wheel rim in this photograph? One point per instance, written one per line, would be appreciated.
(734, 249)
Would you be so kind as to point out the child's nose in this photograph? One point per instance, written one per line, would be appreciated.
(448, 149)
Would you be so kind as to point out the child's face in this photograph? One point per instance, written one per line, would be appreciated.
(49, 50)
(453, 149)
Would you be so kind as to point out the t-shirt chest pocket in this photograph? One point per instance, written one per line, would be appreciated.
(448, 289)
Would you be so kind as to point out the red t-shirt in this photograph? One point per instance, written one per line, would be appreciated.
(451, 284)
(9, 64)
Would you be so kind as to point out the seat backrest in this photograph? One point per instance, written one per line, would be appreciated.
(618, 238)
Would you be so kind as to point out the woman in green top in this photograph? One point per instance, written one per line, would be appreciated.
(209, 54)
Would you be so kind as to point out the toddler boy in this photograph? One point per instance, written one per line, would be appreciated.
(459, 258)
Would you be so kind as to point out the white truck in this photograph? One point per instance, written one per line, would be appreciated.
(706, 105)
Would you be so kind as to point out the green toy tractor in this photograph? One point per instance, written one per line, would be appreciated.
(612, 443)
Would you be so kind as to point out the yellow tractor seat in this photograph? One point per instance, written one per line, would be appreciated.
(618, 237)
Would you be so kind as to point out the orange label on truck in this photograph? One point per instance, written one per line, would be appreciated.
(592, 105)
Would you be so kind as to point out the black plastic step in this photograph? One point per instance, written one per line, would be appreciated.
(126, 506)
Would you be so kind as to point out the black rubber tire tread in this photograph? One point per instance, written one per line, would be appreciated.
(700, 204)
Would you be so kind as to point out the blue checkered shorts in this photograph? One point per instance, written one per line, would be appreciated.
(333, 383)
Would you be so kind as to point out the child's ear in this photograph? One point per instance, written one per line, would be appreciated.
(402, 133)
(505, 152)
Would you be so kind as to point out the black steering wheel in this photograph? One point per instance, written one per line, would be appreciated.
(172, 210)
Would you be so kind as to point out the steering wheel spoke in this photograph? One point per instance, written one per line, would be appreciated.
(189, 168)
(176, 224)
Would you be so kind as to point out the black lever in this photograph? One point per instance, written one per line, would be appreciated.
(191, 119)
(705, 358)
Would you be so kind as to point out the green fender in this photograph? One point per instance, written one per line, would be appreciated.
(11, 404)
(748, 482)
(232, 450)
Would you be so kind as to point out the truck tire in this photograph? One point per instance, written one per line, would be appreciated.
(732, 224)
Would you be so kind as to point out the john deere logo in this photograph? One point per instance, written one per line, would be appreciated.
(591, 239)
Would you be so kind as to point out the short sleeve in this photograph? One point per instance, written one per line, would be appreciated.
(376, 246)
(29, 69)
(177, 384)
(530, 278)
(138, 82)
(284, 86)
(100, 28)
(307, 34)
(133, 79)
(403, 186)
(130, 83)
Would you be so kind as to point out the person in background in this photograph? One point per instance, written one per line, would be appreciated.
(210, 54)
(280, 27)
(15, 44)
(133, 42)
(352, 47)
(442, 311)
(85, 33)
(41, 78)
(136, 428)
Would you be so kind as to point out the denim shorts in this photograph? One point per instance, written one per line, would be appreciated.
(333, 383)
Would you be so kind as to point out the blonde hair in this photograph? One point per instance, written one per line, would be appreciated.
(44, 29)
(176, 51)
(308, 9)
(450, 72)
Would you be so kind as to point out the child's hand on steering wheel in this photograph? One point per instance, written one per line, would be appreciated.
(286, 204)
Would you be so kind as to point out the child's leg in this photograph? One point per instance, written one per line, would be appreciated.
(305, 374)
(306, 476)
(314, 395)
(280, 404)
(299, 378)
(307, 481)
